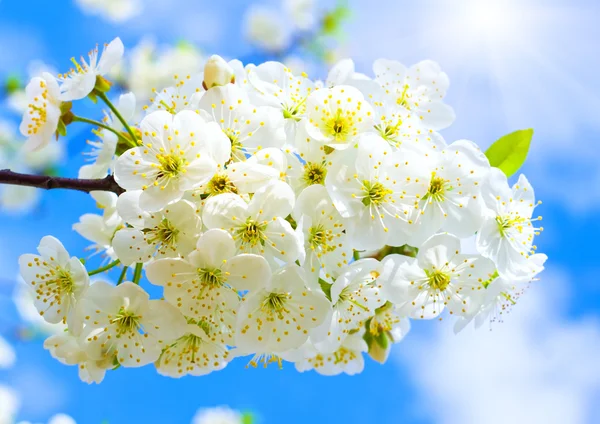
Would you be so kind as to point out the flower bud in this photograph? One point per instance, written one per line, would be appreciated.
(217, 72)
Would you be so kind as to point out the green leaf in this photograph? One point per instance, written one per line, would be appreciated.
(509, 152)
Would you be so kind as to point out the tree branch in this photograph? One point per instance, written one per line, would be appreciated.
(48, 183)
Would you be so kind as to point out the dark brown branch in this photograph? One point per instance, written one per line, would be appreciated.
(48, 183)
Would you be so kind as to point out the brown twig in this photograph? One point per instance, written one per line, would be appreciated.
(48, 183)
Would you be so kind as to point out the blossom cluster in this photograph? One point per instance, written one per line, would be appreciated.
(285, 219)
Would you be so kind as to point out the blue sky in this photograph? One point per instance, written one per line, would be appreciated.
(538, 366)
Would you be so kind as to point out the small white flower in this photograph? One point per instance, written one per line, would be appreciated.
(169, 233)
(7, 354)
(79, 82)
(217, 72)
(439, 277)
(376, 189)
(179, 153)
(507, 233)
(10, 404)
(249, 128)
(420, 89)
(451, 201)
(355, 295)
(103, 151)
(267, 28)
(323, 231)
(259, 226)
(184, 95)
(40, 120)
(273, 84)
(347, 358)
(502, 294)
(205, 286)
(280, 316)
(194, 353)
(121, 321)
(337, 116)
(65, 348)
(59, 281)
(101, 229)
(301, 12)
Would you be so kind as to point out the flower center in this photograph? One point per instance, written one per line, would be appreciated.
(375, 193)
(165, 233)
(296, 110)
(340, 125)
(251, 232)
(170, 166)
(63, 281)
(389, 131)
(274, 303)
(220, 183)
(343, 355)
(505, 223)
(437, 189)
(314, 173)
(319, 238)
(439, 280)
(126, 321)
(211, 277)
(233, 135)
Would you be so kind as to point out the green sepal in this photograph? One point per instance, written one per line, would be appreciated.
(509, 152)
(93, 97)
(102, 84)
(61, 129)
(326, 287)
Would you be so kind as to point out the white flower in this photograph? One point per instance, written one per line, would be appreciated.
(218, 415)
(280, 316)
(249, 128)
(194, 353)
(451, 200)
(18, 199)
(40, 120)
(419, 89)
(301, 12)
(58, 280)
(439, 277)
(101, 229)
(61, 419)
(337, 116)
(347, 358)
(322, 229)
(385, 328)
(355, 295)
(217, 72)
(179, 153)
(117, 11)
(166, 234)
(103, 151)
(275, 85)
(123, 322)
(205, 286)
(79, 82)
(502, 294)
(66, 348)
(506, 235)
(43, 159)
(23, 297)
(376, 189)
(184, 95)
(267, 28)
(259, 226)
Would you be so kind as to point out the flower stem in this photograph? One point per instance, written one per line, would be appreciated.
(123, 275)
(137, 273)
(118, 115)
(104, 268)
(101, 125)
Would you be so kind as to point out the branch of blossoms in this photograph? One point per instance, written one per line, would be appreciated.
(282, 218)
(48, 182)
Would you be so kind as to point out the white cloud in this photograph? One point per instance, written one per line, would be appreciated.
(536, 367)
(41, 393)
(7, 354)
(9, 403)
